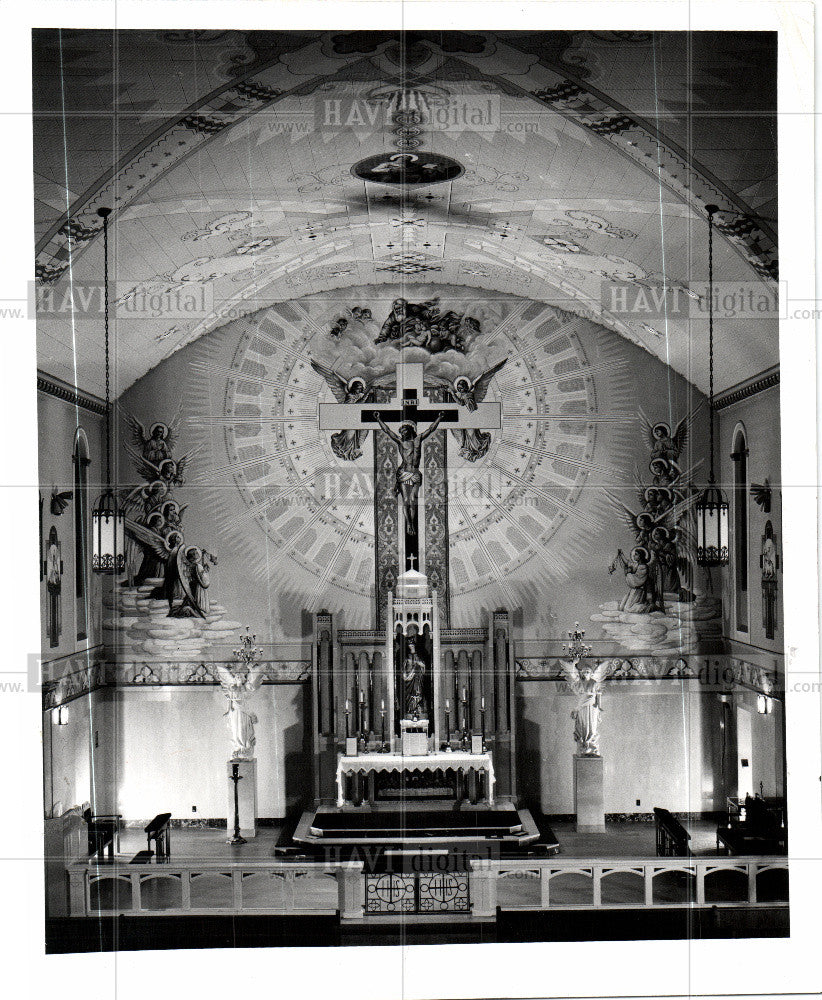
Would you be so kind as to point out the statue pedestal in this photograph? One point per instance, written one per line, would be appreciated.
(246, 797)
(589, 794)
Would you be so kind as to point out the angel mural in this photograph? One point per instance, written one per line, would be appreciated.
(474, 444)
(667, 446)
(584, 681)
(662, 561)
(347, 445)
(239, 686)
(168, 470)
(158, 443)
(183, 570)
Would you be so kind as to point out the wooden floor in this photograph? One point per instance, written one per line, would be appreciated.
(619, 841)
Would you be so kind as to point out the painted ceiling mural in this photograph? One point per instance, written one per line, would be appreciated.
(288, 509)
(251, 196)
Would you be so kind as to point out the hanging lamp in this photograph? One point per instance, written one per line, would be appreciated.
(107, 520)
(712, 507)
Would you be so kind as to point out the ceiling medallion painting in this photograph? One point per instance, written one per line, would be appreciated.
(407, 168)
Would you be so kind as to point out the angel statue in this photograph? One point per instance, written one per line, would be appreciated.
(584, 681)
(468, 392)
(346, 445)
(158, 443)
(240, 685)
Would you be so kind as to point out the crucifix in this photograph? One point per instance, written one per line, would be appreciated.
(410, 489)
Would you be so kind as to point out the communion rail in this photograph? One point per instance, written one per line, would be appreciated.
(215, 887)
(627, 883)
(318, 888)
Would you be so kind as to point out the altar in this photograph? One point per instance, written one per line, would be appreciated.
(472, 771)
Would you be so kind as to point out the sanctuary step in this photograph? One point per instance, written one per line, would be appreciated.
(505, 826)
(484, 823)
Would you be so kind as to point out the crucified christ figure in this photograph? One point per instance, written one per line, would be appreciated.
(409, 477)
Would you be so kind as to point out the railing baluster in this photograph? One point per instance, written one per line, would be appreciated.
(545, 887)
(185, 888)
(752, 869)
(699, 872)
(136, 892)
(648, 871)
(237, 888)
(596, 880)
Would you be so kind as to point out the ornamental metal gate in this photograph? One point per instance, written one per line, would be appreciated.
(417, 892)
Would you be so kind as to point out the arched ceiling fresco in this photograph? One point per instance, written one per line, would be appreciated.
(587, 158)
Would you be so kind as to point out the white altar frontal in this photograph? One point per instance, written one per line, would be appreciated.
(467, 765)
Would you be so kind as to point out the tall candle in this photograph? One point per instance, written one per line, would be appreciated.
(447, 705)
(482, 703)
(465, 694)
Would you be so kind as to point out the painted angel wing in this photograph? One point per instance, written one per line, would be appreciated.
(683, 428)
(148, 537)
(138, 432)
(181, 465)
(672, 514)
(174, 429)
(625, 515)
(480, 384)
(336, 383)
(647, 427)
(148, 470)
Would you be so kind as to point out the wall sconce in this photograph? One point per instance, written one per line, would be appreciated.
(60, 715)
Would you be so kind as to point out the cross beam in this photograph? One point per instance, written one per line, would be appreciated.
(409, 403)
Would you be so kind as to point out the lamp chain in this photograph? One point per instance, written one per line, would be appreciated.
(105, 320)
(711, 210)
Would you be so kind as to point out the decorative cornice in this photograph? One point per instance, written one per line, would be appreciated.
(759, 383)
(56, 387)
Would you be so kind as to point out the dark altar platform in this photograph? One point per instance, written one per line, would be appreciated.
(425, 826)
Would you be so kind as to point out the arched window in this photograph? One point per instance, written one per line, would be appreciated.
(740, 567)
(81, 464)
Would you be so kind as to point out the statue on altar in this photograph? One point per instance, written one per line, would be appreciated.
(584, 681)
(413, 681)
(409, 476)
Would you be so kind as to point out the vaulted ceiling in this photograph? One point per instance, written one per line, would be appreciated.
(587, 161)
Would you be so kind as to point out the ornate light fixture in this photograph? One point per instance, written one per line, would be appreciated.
(107, 520)
(576, 649)
(712, 507)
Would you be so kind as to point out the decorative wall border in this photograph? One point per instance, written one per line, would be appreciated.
(759, 383)
(717, 673)
(53, 386)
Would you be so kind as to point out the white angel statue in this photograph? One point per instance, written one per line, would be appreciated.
(584, 680)
(240, 686)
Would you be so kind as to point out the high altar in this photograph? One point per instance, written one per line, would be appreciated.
(412, 712)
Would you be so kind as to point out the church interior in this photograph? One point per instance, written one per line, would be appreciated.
(410, 510)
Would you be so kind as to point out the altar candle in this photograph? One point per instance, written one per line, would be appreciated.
(347, 706)
(447, 705)
(482, 703)
(382, 706)
(464, 695)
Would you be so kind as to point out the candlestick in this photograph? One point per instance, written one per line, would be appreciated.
(447, 728)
